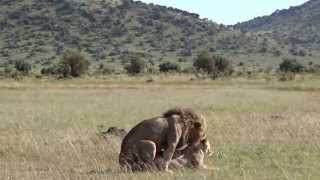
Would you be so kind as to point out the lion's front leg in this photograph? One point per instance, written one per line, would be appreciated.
(174, 135)
(209, 168)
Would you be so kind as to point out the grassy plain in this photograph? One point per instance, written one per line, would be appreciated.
(259, 129)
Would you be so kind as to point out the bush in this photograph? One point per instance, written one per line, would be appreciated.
(169, 67)
(108, 70)
(136, 66)
(186, 52)
(77, 63)
(61, 70)
(188, 70)
(287, 76)
(298, 52)
(216, 65)
(22, 66)
(291, 65)
(222, 66)
(314, 68)
(204, 62)
(9, 71)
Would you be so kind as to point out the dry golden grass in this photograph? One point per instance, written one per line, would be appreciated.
(259, 130)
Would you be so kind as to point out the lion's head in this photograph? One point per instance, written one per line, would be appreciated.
(194, 125)
(196, 134)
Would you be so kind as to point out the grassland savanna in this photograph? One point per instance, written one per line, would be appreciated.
(50, 129)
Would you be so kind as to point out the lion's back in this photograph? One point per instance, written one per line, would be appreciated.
(154, 129)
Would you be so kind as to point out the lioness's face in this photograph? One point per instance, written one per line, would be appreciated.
(206, 147)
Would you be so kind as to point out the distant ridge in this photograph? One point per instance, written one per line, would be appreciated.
(296, 26)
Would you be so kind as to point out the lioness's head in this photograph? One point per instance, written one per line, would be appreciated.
(205, 147)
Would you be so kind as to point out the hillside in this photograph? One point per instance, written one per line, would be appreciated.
(298, 27)
(114, 31)
(111, 31)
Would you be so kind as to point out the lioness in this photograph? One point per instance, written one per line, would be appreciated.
(159, 136)
(192, 157)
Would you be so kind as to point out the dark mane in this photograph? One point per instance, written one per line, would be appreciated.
(185, 113)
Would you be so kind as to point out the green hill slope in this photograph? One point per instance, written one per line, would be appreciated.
(112, 31)
(298, 27)
(109, 31)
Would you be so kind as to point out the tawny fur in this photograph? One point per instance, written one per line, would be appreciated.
(166, 132)
(191, 157)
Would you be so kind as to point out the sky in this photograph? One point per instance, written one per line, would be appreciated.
(229, 11)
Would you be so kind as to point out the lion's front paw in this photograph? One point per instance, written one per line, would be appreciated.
(210, 168)
(160, 164)
(168, 171)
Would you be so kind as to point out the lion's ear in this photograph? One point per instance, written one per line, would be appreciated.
(204, 141)
(197, 125)
(204, 137)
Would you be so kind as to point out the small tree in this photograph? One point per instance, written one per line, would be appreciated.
(136, 66)
(291, 65)
(61, 70)
(22, 66)
(222, 67)
(216, 65)
(204, 62)
(169, 67)
(78, 63)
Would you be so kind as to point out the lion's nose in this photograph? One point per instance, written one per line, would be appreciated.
(209, 153)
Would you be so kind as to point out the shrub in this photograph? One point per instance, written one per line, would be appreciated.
(61, 70)
(314, 68)
(287, 76)
(182, 60)
(216, 65)
(16, 75)
(291, 65)
(8, 69)
(22, 66)
(302, 53)
(298, 52)
(151, 69)
(2, 72)
(204, 62)
(222, 66)
(169, 67)
(108, 70)
(136, 66)
(77, 63)
(188, 70)
(186, 52)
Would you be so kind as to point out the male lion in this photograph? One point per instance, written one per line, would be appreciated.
(159, 136)
(191, 156)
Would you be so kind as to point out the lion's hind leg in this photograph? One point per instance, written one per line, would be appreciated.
(139, 158)
(147, 152)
